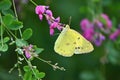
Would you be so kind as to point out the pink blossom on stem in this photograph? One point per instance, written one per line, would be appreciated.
(100, 38)
(108, 21)
(49, 13)
(115, 34)
(85, 23)
(27, 50)
(51, 31)
(88, 34)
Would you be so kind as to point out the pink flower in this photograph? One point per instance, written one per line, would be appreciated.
(44, 11)
(98, 23)
(55, 24)
(115, 34)
(40, 10)
(51, 31)
(49, 13)
(27, 50)
(105, 16)
(85, 24)
(99, 39)
(108, 21)
(88, 34)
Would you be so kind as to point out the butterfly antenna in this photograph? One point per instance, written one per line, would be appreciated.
(70, 20)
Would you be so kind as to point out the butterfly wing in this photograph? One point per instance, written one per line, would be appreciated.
(70, 41)
(82, 45)
(64, 43)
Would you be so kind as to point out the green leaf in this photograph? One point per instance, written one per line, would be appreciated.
(26, 68)
(36, 70)
(5, 4)
(40, 75)
(9, 11)
(3, 47)
(27, 34)
(6, 39)
(27, 75)
(15, 25)
(21, 43)
(8, 19)
(38, 50)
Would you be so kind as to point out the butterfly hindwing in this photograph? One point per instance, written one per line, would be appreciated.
(82, 45)
(63, 44)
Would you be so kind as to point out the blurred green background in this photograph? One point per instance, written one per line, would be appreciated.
(78, 67)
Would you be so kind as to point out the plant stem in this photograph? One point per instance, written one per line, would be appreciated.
(15, 9)
(29, 63)
(33, 2)
(16, 15)
(10, 32)
(1, 30)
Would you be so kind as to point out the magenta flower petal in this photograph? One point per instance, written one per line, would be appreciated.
(85, 24)
(115, 34)
(109, 24)
(57, 19)
(51, 31)
(27, 54)
(108, 21)
(54, 25)
(49, 13)
(40, 16)
(105, 16)
(89, 34)
(99, 24)
(40, 9)
(59, 27)
(30, 47)
(100, 38)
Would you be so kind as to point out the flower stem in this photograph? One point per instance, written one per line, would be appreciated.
(1, 29)
(33, 2)
(30, 65)
(16, 15)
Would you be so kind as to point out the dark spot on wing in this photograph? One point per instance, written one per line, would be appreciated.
(78, 38)
(77, 47)
(67, 43)
(74, 43)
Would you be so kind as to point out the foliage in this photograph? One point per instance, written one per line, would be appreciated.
(21, 29)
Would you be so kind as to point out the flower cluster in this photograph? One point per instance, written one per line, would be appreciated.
(94, 30)
(28, 50)
(42, 10)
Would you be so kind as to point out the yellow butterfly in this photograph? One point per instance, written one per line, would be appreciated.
(70, 42)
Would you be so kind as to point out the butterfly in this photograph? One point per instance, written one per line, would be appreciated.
(71, 42)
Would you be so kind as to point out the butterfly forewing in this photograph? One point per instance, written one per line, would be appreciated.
(63, 44)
